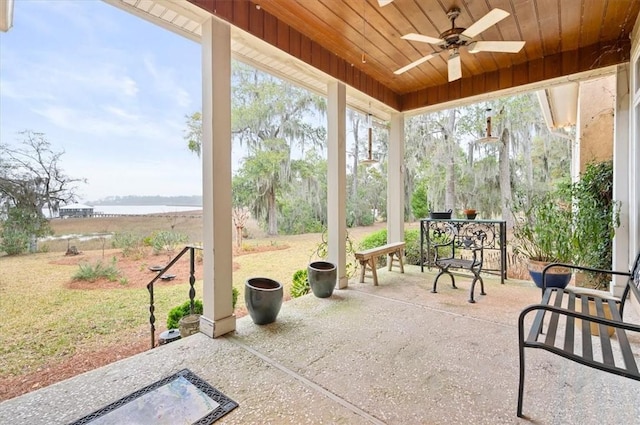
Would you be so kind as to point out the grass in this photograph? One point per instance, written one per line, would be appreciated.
(44, 322)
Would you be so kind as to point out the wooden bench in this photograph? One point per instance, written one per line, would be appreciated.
(454, 260)
(558, 318)
(369, 258)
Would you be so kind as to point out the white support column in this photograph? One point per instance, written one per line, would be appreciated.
(621, 154)
(634, 143)
(218, 318)
(337, 178)
(621, 181)
(395, 180)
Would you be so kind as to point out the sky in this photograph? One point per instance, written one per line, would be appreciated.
(108, 88)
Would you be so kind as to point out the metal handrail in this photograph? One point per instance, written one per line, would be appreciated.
(192, 290)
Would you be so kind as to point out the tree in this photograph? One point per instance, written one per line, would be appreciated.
(193, 134)
(31, 179)
(267, 170)
(269, 118)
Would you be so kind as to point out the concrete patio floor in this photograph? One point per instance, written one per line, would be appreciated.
(391, 354)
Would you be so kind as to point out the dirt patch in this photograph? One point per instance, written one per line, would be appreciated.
(13, 386)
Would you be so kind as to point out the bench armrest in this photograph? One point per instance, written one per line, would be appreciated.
(575, 314)
(583, 268)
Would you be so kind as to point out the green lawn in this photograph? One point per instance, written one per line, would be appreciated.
(44, 322)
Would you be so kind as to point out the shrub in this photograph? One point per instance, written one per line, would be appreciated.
(129, 243)
(167, 241)
(184, 309)
(14, 241)
(300, 285)
(91, 272)
(412, 246)
(234, 293)
(374, 240)
(419, 205)
(18, 228)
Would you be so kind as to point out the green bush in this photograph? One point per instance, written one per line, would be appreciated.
(14, 241)
(300, 285)
(184, 309)
(167, 241)
(91, 272)
(419, 205)
(412, 246)
(234, 293)
(129, 243)
(18, 227)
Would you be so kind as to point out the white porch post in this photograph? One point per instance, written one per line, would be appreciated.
(634, 142)
(337, 178)
(621, 155)
(218, 318)
(395, 180)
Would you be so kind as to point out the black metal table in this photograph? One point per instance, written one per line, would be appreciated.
(494, 232)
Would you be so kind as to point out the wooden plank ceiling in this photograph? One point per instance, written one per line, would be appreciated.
(562, 37)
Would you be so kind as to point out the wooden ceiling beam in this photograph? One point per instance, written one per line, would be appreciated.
(553, 66)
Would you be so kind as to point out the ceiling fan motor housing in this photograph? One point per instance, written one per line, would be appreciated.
(453, 37)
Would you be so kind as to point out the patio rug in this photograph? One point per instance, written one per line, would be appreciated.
(182, 398)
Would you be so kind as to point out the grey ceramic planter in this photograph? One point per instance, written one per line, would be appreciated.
(322, 277)
(263, 298)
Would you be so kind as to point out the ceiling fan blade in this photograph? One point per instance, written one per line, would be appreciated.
(422, 38)
(382, 3)
(413, 64)
(491, 18)
(455, 67)
(496, 46)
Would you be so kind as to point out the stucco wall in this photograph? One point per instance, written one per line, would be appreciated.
(596, 121)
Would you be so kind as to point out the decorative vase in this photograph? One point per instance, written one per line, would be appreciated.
(322, 277)
(263, 298)
(557, 277)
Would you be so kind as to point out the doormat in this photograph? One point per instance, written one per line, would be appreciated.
(182, 398)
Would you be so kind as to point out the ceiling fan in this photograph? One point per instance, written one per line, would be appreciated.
(455, 38)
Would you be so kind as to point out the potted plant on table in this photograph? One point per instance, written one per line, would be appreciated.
(543, 234)
(470, 213)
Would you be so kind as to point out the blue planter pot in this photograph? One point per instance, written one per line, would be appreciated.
(263, 298)
(322, 277)
(557, 277)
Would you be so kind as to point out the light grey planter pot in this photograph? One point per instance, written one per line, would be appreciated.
(322, 277)
(263, 298)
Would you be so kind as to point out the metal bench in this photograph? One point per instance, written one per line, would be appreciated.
(562, 312)
(369, 258)
(453, 260)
